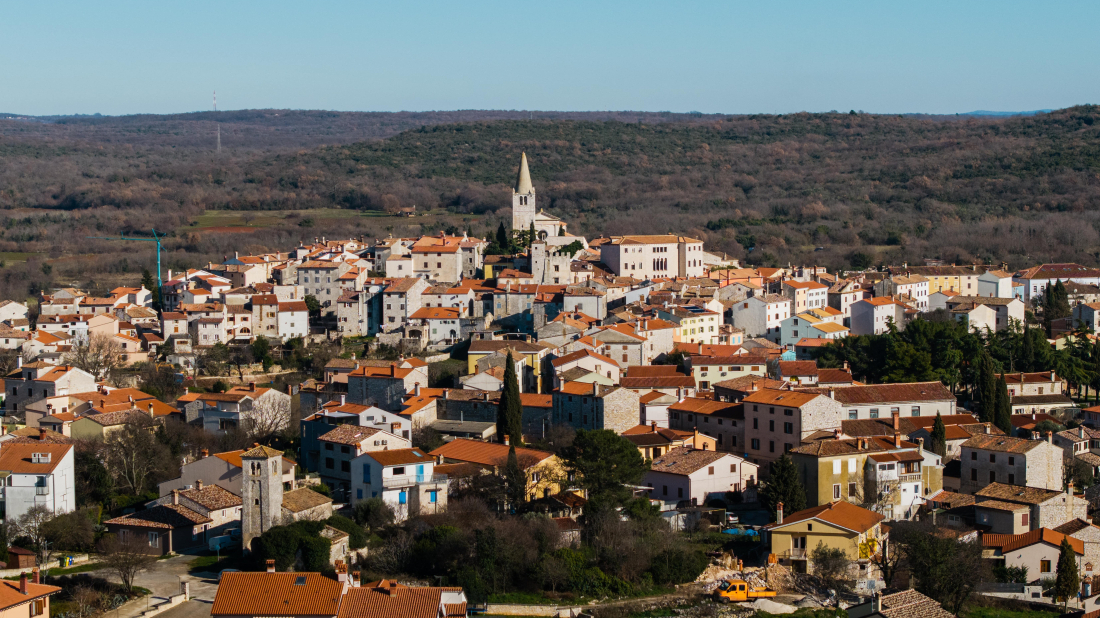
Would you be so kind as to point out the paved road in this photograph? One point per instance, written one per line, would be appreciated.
(190, 609)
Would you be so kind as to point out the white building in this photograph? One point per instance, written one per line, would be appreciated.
(996, 284)
(1036, 279)
(293, 319)
(761, 316)
(872, 316)
(691, 476)
(37, 475)
(649, 257)
(404, 478)
(824, 323)
(1005, 310)
(913, 286)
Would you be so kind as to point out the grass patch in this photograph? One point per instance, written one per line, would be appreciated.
(213, 564)
(268, 218)
(82, 568)
(16, 256)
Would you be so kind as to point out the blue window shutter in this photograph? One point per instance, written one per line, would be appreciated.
(366, 473)
(359, 494)
(402, 498)
(431, 496)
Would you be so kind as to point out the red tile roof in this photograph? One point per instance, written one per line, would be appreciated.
(485, 453)
(841, 514)
(1012, 542)
(276, 594)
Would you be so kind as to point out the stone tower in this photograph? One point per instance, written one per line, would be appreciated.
(523, 198)
(261, 492)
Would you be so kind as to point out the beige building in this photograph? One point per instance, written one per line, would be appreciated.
(1045, 508)
(1037, 551)
(654, 256)
(722, 422)
(989, 459)
(838, 525)
(777, 421)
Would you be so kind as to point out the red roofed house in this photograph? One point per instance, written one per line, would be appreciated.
(404, 478)
(594, 406)
(585, 359)
(26, 598)
(838, 525)
(37, 475)
(685, 476)
(293, 319)
(436, 324)
(1037, 551)
(777, 421)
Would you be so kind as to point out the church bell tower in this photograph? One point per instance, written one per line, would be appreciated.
(523, 198)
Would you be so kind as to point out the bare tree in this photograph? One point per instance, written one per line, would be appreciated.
(269, 415)
(126, 556)
(34, 524)
(134, 456)
(100, 356)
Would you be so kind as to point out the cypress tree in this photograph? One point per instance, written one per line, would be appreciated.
(939, 437)
(561, 231)
(1003, 411)
(531, 235)
(503, 241)
(510, 408)
(1068, 581)
(515, 481)
(784, 486)
(987, 387)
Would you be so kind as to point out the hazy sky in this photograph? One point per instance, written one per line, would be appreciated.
(121, 57)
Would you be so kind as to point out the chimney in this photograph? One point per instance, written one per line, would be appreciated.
(252, 387)
(680, 394)
(779, 513)
(393, 370)
(151, 413)
(920, 444)
(19, 361)
(876, 603)
(42, 434)
(832, 394)
(205, 453)
(1080, 432)
(1050, 437)
(198, 484)
(897, 421)
(343, 399)
(1069, 490)
(23, 582)
(34, 575)
(175, 496)
(416, 389)
(236, 255)
(270, 566)
(653, 426)
(507, 440)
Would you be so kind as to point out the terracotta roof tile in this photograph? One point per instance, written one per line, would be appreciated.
(276, 594)
(841, 514)
(484, 453)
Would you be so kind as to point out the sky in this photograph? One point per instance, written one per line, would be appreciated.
(761, 56)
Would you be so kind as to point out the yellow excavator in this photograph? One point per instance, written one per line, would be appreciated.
(737, 591)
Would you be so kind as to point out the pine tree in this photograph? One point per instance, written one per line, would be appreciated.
(939, 437)
(1068, 581)
(515, 481)
(531, 235)
(510, 408)
(987, 387)
(1027, 353)
(1002, 417)
(151, 284)
(784, 486)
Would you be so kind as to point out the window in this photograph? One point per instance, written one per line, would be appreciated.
(1044, 566)
(733, 468)
(788, 427)
(992, 458)
(330, 463)
(771, 446)
(853, 415)
(852, 490)
(852, 466)
(403, 497)
(664, 490)
(973, 456)
(1024, 520)
(1012, 461)
(973, 475)
(836, 492)
(756, 444)
(1011, 479)
(399, 471)
(874, 412)
(771, 425)
(433, 496)
(345, 466)
(154, 539)
(679, 492)
(756, 423)
(992, 476)
(710, 470)
(836, 466)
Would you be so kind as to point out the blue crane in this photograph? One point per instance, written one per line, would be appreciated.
(155, 238)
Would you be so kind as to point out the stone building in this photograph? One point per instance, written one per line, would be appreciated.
(989, 459)
(777, 421)
(1043, 508)
(261, 492)
(723, 421)
(594, 406)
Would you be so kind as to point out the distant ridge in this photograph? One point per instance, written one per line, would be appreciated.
(983, 112)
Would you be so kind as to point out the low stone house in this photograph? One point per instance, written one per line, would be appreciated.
(987, 459)
(1047, 508)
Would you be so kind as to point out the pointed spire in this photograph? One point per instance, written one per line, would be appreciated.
(523, 179)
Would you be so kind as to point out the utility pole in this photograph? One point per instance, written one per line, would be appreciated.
(156, 238)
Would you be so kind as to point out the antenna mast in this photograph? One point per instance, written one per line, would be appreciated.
(215, 100)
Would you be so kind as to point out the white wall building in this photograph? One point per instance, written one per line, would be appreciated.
(37, 474)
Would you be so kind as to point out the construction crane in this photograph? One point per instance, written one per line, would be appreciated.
(155, 238)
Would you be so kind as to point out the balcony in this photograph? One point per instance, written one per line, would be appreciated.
(797, 554)
(910, 478)
(41, 491)
(409, 480)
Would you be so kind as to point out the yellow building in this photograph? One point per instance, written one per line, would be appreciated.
(99, 426)
(545, 472)
(838, 525)
(531, 354)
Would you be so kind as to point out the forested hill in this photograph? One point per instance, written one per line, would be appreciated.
(833, 189)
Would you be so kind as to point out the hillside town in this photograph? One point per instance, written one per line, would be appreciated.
(350, 427)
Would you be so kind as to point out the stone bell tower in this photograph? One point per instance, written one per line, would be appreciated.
(261, 492)
(523, 198)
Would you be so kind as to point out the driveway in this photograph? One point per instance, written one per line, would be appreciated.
(164, 578)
